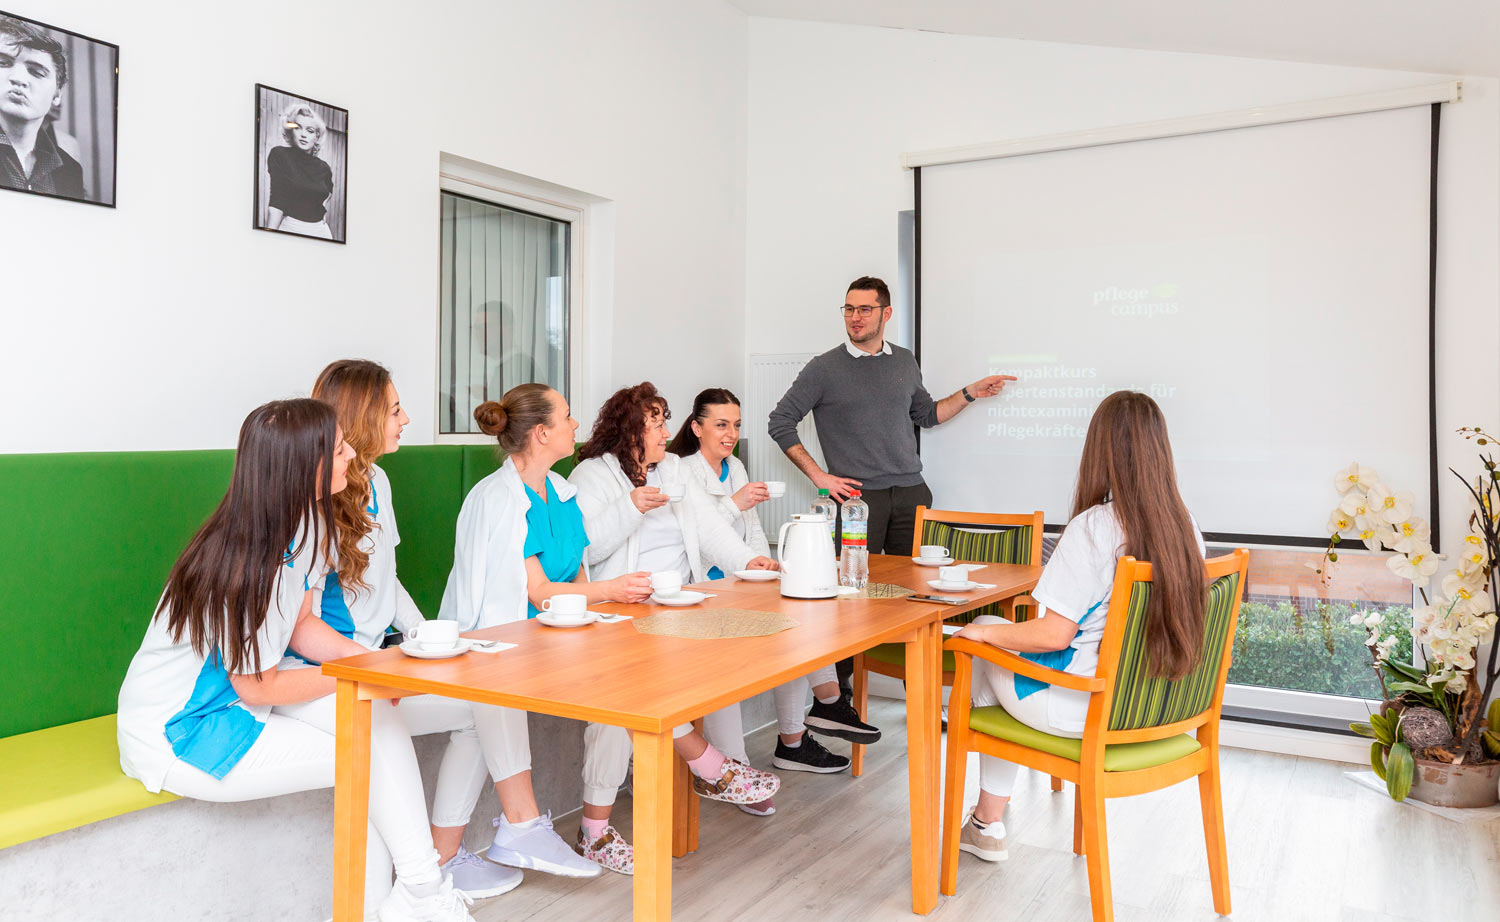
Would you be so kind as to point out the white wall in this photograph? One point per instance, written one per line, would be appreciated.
(160, 324)
(832, 108)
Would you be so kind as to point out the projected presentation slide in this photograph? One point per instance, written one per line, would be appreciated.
(1266, 286)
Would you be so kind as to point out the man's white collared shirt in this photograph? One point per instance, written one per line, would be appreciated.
(857, 352)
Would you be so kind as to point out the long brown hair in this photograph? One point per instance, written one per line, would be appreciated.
(356, 389)
(512, 418)
(686, 443)
(620, 428)
(1127, 459)
(220, 589)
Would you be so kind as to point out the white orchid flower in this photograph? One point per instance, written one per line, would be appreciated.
(1373, 619)
(1417, 566)
(1339, 523)
(1355, 476)
(1457, 684)
(1355, 503)
(1394, 508)
(1424, 616)
(1410, 533)
(1356, 618)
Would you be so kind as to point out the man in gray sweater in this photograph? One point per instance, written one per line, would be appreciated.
(865, 396)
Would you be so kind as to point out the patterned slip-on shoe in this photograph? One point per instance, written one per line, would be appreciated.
(610, 851)
(740, 784)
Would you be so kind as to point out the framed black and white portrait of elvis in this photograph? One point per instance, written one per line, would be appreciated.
(59, 94)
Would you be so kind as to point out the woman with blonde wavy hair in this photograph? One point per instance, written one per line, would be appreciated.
(364, 599)
(301, 180)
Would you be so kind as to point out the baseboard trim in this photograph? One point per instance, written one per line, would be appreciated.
(1336, 747)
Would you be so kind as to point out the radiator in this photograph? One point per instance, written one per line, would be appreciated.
(770, 376)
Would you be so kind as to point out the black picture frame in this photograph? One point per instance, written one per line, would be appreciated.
(297, 170)
(79, 135)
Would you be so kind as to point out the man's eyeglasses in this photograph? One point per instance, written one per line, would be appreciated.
(864, 312)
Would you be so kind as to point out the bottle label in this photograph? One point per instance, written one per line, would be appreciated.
(855, 533)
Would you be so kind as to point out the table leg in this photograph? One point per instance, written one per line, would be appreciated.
(654, 771)
(351, 802)
(684, 810)
(923, 700)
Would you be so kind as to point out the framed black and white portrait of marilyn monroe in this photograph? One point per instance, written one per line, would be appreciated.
(301, 165)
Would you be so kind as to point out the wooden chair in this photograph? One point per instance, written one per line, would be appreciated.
(990, 538)
(1135, 738)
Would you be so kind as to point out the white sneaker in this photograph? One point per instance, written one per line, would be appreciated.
(536, 846)
(479, 878)
(446, 905)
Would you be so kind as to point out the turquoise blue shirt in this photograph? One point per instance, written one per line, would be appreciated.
(555, 536)
(715, 572)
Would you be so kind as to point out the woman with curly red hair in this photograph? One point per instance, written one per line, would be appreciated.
(633, 527)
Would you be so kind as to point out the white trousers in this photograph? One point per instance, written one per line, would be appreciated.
(463, 770)
(993, 685)
(791, 701)
(295, 752)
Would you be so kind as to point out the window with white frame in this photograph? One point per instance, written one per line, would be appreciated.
(506, 301)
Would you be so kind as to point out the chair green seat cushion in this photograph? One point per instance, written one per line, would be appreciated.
(64, 777)
(894, 654)
(1121, 757)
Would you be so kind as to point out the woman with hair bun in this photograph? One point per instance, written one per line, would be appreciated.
(521, 540)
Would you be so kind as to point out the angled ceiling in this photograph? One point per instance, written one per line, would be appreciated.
(1432, 36)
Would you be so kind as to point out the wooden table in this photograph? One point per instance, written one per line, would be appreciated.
(613, 674)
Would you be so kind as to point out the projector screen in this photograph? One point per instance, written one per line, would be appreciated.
(1268, 286)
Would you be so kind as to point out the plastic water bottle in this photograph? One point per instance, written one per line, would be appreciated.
(825, 507)
(854, 564)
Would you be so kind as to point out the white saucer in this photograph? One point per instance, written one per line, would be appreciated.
(945, 586)
(757, 576)
(552, 620)
(932, 561)
(412, 648)
(683, 597)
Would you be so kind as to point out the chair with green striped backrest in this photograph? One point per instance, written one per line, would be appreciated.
(1136, 736)
(985, 537)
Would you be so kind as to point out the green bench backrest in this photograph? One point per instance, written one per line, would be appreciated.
(88, 539)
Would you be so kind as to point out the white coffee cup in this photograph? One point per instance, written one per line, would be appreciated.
(776, 488)
(953, 574)
(934, 552)
(435, 635)
(675, 491)
(666, 583)
(566, 605)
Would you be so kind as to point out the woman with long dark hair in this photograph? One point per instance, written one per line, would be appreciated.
(1126, 503)
(632, 527)
(706, 444)
(206, 711)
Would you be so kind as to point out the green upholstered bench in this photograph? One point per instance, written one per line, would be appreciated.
(99, 533)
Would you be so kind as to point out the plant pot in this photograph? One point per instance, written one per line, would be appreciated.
(1444, 785)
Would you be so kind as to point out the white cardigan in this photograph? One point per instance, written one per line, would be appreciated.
(487, 585)
(745, 522)
(613, 521)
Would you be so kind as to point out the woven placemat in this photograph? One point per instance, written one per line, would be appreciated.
(881, 591)
(714, 623)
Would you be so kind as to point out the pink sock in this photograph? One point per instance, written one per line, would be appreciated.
(593, 829)
(709, 766)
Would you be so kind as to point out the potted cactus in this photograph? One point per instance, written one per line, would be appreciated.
(1432, 739)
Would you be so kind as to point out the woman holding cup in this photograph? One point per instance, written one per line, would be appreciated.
(207, 709)
(706, 443)
(626, 484)
(520, 547)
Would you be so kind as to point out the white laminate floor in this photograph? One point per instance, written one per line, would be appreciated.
(1304, 844)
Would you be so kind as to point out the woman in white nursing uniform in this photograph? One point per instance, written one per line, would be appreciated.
(706, 444)
(1126, 503)
(206, 712)
(632, 527)
(363, 599)
(521, 540)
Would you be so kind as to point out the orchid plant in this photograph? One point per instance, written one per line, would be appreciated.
(1452, 623)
